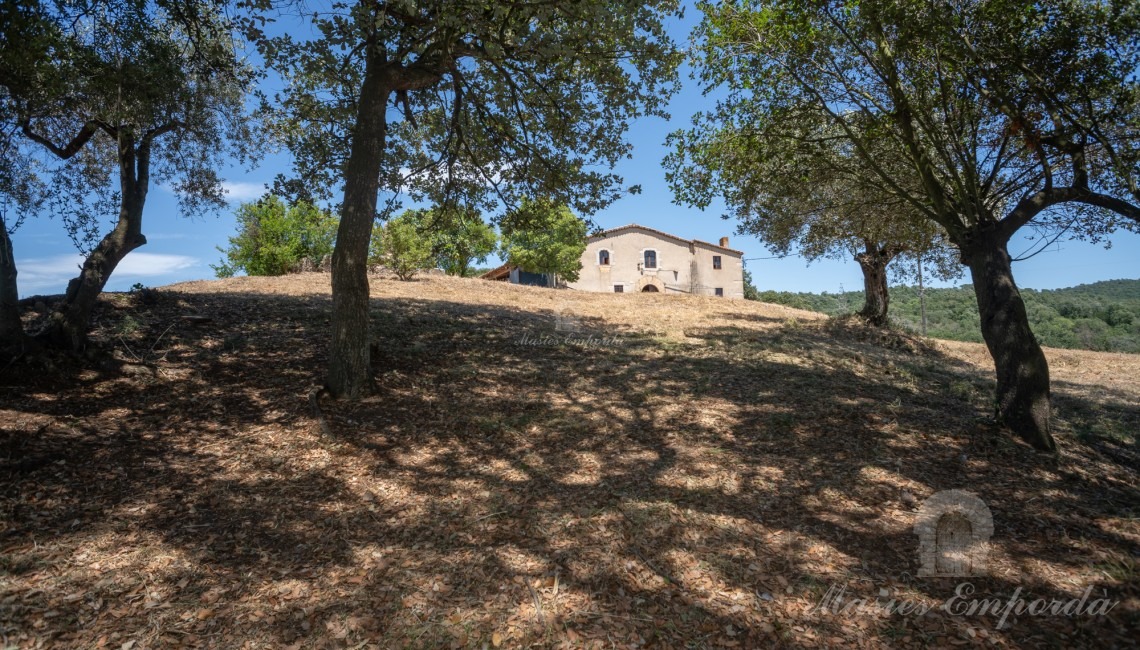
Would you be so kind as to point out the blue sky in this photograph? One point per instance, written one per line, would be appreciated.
(182, 249)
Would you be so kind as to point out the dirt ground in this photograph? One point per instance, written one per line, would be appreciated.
(542, 468)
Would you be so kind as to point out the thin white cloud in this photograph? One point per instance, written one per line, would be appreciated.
(46, 273)
(52, 273)
(242, 191)
(233, 190)
(147, 264)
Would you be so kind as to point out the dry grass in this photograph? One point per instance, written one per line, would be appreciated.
(678, 472)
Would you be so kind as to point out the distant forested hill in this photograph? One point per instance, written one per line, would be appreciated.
(1101, 316)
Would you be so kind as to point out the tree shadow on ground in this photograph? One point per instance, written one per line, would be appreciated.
(521, 478)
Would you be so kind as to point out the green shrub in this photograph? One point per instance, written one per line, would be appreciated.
(275, 238)
(400, 246)
(543, 237)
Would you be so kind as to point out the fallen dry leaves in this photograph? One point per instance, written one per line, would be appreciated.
(702, 480)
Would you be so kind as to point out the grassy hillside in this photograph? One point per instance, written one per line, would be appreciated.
(1103, 316)
(541, 469)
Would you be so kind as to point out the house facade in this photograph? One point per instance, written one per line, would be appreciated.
(635, 258)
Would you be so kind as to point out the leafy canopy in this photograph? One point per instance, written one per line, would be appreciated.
(544, 237)
(490, 101)
(973, 114)
(459, 102)
(784, 192)
(275, 238)
(750, 290)
(459, 237)
(82, 79)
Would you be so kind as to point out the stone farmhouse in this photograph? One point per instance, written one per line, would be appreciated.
(635, 258)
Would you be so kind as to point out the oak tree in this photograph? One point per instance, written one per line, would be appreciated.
(402, 246)
(276, 237)
(984, 116)
(459, 237)
(781, 190)
(110, 96)
(459, 102)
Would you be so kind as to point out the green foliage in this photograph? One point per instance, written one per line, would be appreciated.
(401, 245)
(750, 290)
(939, 111)
(1101, 316)
(459, 237)
(977, 117)
(493, 101)
(800, 301)
(91, 79)
(843, 118)
(791, 197)
(275, 238)
(97, 99)
(946, 110)
(497, 100)
(543, 237)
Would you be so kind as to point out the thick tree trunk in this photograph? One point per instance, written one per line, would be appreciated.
(68, 325)
(873, 261)
(11, 329)
(350, 374)
(1022, 401)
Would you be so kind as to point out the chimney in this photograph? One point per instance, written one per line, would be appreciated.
(724, 242)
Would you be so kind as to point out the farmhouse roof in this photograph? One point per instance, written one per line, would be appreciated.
(611, 231)
(498, 274)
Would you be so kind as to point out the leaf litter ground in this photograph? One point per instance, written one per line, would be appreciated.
(542, 468)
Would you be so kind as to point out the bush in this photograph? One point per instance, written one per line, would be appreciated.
(543, 237)
(400, 246)
(459, 237)
(275, 238)
(750, 290)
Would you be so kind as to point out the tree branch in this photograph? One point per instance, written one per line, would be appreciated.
(150, 135)
(71, 148)
(1030, 206)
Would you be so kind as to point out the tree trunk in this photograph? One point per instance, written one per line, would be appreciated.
(1022, 401)
(67, 326)
(11, 329)
(873, 261)
(921, 297)
(350, 374)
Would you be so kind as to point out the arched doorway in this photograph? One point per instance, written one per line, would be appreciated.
(954, 537)
(650, 284)
(953, 528)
